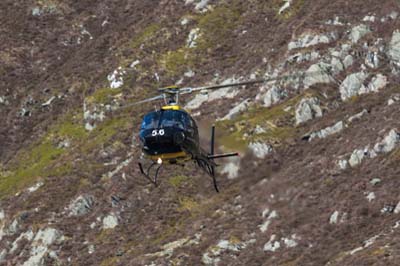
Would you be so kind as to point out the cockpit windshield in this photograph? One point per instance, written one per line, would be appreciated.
(166, 118)
(173, 119)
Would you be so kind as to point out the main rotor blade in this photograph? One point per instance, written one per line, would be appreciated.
(158, 97)
(214, 87)
(250, 82)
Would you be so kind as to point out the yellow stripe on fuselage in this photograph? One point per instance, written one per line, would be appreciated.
(166, 157)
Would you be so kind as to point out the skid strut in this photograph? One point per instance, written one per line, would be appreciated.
(147, 173)
(209, 165)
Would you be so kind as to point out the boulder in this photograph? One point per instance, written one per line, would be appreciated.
(260, 150)
(356, 157)
(191, 41)
(272, 96)
(307, 109)
(372, 59)
(352, 85)
(110, 221)
(240, 108)
(348, 61)
(394, 48)
(307, 40)
(377, 83)
(81, 205)
(358, 32)
(116, 78)
(272, 245)
(388, 143)
(339, 126)
(334, 217)
(316, 74)
(231, 168)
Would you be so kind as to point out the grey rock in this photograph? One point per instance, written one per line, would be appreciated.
(3, 100)
(260, 150)
(375, 181)
(272, 245)
(372, 59)
(81, 205)
(343, 164)
(116, 78)
(27, 235)
(200, 98)
(393, 99)
(358, 32)
(303, 57)
(357, 157)
(348, 61)
(308, 40)
(25, 112)
(231, 168)
(192, 38)
(388, 143)
(47, 236)
(285, 6)
(43, 239)
(3, 255)
(397, 208)
(317, 73)
(13, 227)
(335, 22)
(36, 11)
(110, 221)
(238, 109)
(339, 126)
(352, 85)
(377, 83)
(336, 65)
(393, 15)
(369, 18)
(357, 116)
(273, 96)
(371, 196)
(307, 109)
(49, 101)
(394, 48)
(334, 217)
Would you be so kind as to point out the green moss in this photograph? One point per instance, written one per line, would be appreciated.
(188, 204)
(216, 27)
(176, 62)
(69, 129)
(38, 162)
(278, 125)
(104, 133)
(145, 35)
(178, 180)
(111, 261)
(103, 96)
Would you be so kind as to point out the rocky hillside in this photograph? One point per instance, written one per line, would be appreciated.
(317, 182)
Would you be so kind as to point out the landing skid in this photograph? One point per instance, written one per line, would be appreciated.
(206, 162)
(147, 174)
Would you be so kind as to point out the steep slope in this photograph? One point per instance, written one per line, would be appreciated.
(317, 184)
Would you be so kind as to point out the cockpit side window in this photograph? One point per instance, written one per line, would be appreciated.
(151, 121)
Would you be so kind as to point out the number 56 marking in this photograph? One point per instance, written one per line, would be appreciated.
(156, 132)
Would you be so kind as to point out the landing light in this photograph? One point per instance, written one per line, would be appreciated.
(159, 161)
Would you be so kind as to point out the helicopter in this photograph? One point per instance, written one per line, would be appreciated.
(170, 135)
